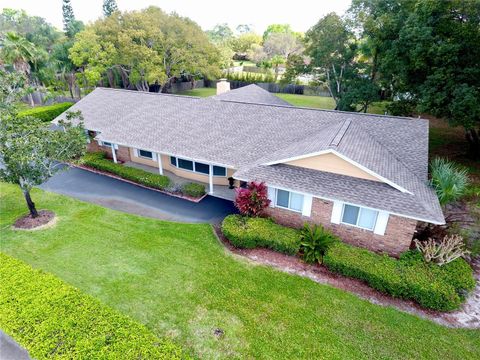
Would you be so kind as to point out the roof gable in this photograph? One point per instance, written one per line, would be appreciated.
(331, 162)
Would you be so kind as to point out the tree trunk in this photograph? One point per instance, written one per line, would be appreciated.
(111, 78)
(30, 203)
(473, 138)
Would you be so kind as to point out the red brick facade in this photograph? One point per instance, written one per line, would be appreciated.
(123, 154)
(397, 238)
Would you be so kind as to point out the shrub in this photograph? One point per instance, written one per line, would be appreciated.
(52, 319)
(438, 288)
(448, 249)
(251, 232)
(193, 189)
(252, 200)
(315, 241)
(46, 113)
(98, 161)
(449, 181)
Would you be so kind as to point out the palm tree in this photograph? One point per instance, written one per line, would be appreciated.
(19, 53)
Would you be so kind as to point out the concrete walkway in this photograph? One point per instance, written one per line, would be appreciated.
(119, 195)
(10, 350)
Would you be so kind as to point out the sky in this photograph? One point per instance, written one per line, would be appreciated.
(300, 14)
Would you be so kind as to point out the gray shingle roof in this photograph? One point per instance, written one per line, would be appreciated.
(245, 136)
(251, 94)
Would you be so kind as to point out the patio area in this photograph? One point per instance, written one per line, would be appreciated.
(220, 191)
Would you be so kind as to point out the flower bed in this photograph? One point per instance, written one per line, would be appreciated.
(442, 288)
(54, 320)
(98, 161)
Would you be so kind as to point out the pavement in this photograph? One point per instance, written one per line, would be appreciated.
(10, 350)
(126, 197)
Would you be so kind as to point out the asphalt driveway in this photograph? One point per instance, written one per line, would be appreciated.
(119, 195)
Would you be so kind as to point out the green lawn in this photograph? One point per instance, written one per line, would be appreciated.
(180, 282)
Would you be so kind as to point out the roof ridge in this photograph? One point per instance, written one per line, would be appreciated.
(148, 93)
(341, 132)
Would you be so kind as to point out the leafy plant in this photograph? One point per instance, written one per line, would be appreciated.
(252, 232)
(449, 180)
(315, 241)
(448, 249)
(253, 199)
(193, 189)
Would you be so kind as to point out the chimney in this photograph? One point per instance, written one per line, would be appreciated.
(222, 86)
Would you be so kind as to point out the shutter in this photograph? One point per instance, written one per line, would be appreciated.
(307, 205)
(135, 152)
(337, 212)
(381, 224)
(271, 195)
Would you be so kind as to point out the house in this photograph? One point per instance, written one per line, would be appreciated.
(363, 176)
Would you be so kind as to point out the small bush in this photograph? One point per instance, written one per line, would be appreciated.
(193, 189)
(438, 288)
(252, 200)
(98, 161)
(448, 179)
(54, 320)
(46, 113)
(451, 247)
(248, 232)
(315, 241)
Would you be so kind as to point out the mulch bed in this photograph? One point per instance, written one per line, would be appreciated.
(321, 275)
(28, 223)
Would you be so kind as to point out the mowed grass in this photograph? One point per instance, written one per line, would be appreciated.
(180, 282)
(317, 102)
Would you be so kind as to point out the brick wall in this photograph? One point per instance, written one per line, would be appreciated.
(123, 154)
(397, 238)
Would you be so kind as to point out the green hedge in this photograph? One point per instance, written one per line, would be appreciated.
(435, 287)
(193, 189)
(98, 161)
(46, 113)
(54, 320)
(250, 232)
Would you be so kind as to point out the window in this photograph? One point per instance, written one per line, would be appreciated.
(145, 154)
(219, 171)
(185, 164)
(197, 167)
(202, 168)
(359, 216)
(104, 143)
(289, 200)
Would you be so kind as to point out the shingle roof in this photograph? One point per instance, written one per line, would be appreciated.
(251, 94)
(245, 136)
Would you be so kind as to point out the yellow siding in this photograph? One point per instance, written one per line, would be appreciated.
(334, 164)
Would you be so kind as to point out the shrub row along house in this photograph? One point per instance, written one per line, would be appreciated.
(363, 176)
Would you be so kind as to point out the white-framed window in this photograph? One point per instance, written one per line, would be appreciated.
(108, 144)
(104, 143)
(289, 200)
(359, 216)
(145, 154)
(197, 167)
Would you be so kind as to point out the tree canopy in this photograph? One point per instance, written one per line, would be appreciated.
(147, 47)
(109, 6)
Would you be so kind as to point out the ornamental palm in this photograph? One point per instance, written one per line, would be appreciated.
(449, 180)
(314, 243)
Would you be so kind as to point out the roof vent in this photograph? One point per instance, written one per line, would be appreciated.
(222, 86)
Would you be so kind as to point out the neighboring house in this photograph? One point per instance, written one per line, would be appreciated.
(363, 176)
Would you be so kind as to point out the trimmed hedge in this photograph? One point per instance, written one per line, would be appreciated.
(54, 320)
(251, 232)
(193, 189)
(434, 287)
(46, 113)
(98, 161)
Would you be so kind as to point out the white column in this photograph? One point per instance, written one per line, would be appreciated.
(113, 153)
(160, 167)
(210, 178)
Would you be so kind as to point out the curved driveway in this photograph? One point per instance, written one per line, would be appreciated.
(119, 195)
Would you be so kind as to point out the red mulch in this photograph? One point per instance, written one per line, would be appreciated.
(27, 222)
